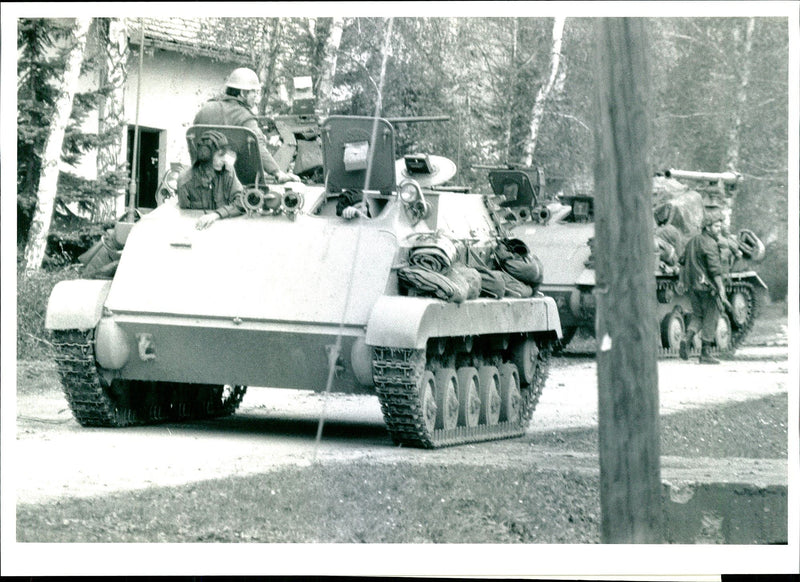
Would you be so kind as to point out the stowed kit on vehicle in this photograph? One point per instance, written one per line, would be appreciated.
(424, 303)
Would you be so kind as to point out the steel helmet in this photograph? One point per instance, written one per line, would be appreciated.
(244, 79)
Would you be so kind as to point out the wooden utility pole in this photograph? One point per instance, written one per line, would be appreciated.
(627, 374)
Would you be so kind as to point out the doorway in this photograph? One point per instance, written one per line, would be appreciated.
(150, 163)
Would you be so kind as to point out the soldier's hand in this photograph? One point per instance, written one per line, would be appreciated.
(282, 177)
(353, 211)
(206, 220)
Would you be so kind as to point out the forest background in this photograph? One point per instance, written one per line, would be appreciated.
(517, 90)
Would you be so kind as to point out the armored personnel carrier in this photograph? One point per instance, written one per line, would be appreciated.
(300, 149)
(293, 294)
(562, 233)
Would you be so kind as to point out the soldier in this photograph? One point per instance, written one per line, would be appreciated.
(235, 108)
(211, 183)
(728, 249)
(701, 276)
(352, 204)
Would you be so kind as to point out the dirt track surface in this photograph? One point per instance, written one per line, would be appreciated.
(53, 457)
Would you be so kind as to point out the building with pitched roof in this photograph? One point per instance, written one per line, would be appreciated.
(183, 65)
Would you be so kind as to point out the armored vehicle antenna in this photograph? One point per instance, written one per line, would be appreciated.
(133, 190)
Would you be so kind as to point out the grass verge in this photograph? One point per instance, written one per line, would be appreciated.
(33, 293)
(756, 429)
(399, 502)
(337, 503)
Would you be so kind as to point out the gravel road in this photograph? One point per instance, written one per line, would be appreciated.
(53, 457)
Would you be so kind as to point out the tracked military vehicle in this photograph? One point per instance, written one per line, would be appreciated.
(300, 149)
(562, 233)
(292, 294)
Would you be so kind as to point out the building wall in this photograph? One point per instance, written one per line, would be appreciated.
(173, 88)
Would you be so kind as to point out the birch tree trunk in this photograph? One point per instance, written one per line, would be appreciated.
(513, 69)
(268, 62)
(329, 58)
(544, 92)
(111, 114)
(43, 214)
(734, 137)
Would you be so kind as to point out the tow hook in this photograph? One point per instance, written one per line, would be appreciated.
(147, 347)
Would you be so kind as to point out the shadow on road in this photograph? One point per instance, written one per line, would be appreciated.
(253, 425)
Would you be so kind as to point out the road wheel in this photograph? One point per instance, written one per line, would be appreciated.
(446, 398)
(510, 394)
(427, 402)
(672, 329)
(740, 310)
(489, 379)
(469, 400)
(525, 359)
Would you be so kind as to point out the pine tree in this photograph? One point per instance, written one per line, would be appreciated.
(36, 96)
(43, 49)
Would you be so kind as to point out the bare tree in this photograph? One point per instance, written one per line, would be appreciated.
(545, 90)
(734, 137)
(46, 196)
(111, 125)
(509, 121)
(328, 70)
(268, 60)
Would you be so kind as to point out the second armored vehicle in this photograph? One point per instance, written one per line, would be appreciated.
(562, 233)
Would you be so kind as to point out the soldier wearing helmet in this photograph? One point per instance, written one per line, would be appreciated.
(701, 276)
(235, 108)
(211, 183)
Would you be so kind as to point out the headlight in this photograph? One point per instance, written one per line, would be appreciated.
(171, 179)
(257, 201)
(252, 199)
(414, 202)
(409, 191)
(168, 187)
(292, 203)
